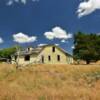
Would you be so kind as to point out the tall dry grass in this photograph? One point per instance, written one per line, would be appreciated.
(50, 82)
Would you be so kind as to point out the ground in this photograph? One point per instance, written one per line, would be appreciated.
(50, 82)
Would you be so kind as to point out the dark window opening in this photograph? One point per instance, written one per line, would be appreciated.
(53, 49)
(15, 57)
(27, 58)
(42, 59)
(58, 57)
(28, 49)
(49, 58)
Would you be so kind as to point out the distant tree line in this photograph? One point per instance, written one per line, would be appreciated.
(87, 47)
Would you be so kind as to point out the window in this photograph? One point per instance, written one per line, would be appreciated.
(49, 58)
(27, 58)
(42, 59)
(28, 49)
(15, 58)
(58, 57)
(53, 49)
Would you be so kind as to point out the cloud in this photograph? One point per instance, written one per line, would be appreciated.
(87, 7)
(49, 35)
(42, 44)
(1, 40)
(59, 33)
(46, 44)
(98, 33)
(63, 41)
(73, 47)
(10, 2)
(57, 44)
(22, 38)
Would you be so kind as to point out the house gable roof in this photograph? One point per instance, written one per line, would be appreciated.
(39, 49)
(62, 50)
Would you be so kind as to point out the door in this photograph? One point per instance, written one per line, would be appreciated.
(42, 59)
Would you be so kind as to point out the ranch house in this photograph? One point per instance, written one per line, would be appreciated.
(48, 54)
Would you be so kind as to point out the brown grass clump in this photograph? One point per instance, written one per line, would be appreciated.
(50, 82)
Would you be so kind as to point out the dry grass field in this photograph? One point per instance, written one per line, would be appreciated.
(50, 82)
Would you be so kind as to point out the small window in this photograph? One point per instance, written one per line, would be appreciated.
(15, 57)
(49, 58)
(28, 49)
(58, 57)
(27, 58)
(53, 49)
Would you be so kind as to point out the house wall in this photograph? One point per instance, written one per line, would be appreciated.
(64, 59)
(47, 51)
(21, 60)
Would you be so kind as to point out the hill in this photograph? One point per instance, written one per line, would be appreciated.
(50, 82)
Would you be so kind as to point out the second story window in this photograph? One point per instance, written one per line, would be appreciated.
(53, 49)
(28, 49)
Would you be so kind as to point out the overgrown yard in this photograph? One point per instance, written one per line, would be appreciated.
(50, 82)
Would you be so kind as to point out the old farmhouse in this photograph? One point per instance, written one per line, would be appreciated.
(48, 54)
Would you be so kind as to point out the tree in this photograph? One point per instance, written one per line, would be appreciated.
(7, 52)
(87, 47)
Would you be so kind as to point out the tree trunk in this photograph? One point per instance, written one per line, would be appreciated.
(17, 65)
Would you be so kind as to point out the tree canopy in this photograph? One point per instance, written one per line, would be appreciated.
(7, 52)
(87, 47)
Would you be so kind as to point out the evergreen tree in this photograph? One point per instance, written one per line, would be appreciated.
(87, 47)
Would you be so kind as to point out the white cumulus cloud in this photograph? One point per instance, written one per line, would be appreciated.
(73, 47)
(49, 35)
(1, 40)
(10, 2)
(87, 7)
(57, 44)
(63, 41)
(23, 38)
(42, 44)
(59, 33)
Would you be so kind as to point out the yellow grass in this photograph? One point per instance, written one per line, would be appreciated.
(50, 82)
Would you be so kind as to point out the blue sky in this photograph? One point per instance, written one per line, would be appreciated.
(34, 18)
